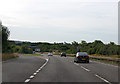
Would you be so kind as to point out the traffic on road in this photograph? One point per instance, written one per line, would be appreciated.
(55, 68)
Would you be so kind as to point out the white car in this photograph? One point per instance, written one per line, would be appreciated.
(50, 54)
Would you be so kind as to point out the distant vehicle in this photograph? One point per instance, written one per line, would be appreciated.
(63, 54)
(50, 54)
(81, 57)
(41, 52)
(34, 52)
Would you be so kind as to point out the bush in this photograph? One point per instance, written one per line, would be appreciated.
(26, 50)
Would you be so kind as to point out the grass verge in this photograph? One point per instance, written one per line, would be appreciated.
(6, 56)
(32, 54)
(105, 61)
(100, 60)
(112, 56)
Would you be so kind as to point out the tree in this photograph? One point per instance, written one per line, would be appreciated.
(5, 35)
(0, 36)
(91, 51)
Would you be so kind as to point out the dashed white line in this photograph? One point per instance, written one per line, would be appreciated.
(103, 79)
(76, 64)
(31, 77)
(85, 68)
(37, 71)
(27, 80)
(34, 73)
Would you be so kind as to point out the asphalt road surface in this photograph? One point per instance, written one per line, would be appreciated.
(58, 69)
(19, 69)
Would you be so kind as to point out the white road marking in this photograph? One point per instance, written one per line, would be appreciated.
(76, 64)
(47, 60)
(31, 77)
(85, 68)
(103, 79)
(37, 71)
(44, 64)
(27, 80)
(40, 67)
(34, 73)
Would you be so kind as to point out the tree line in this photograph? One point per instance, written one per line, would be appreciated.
(96, 47)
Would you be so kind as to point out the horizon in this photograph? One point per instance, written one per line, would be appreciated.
(60, 42)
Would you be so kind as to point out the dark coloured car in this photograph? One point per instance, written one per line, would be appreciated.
(63, 54)
(81, 57)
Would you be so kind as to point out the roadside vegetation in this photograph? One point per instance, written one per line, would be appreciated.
(32, 54)
(11, 50)
(6, 51)
(96, 48)
(105, 61)
(6, 56)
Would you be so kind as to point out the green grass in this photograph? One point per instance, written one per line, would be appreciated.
(105, 61)
(112, 56)
(32, 54)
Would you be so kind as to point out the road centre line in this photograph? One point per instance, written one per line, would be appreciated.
(32, 76)
(76, 64)
(85, 68)
(95, 74)
(103, 79)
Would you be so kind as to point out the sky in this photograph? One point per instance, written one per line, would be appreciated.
(61, 20)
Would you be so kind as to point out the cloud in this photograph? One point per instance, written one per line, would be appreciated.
(72, 17)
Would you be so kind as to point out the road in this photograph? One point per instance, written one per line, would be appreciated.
(58, 69)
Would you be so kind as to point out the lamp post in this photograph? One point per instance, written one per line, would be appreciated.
(78, 48)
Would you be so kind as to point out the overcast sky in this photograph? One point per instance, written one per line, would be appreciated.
(61, 20)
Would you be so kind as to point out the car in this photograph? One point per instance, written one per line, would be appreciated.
(63, 54)
(50, 54)
(81, 57)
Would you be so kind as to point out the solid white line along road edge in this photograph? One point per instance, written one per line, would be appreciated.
(103, 79)
(32, 76)
(85, 68)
